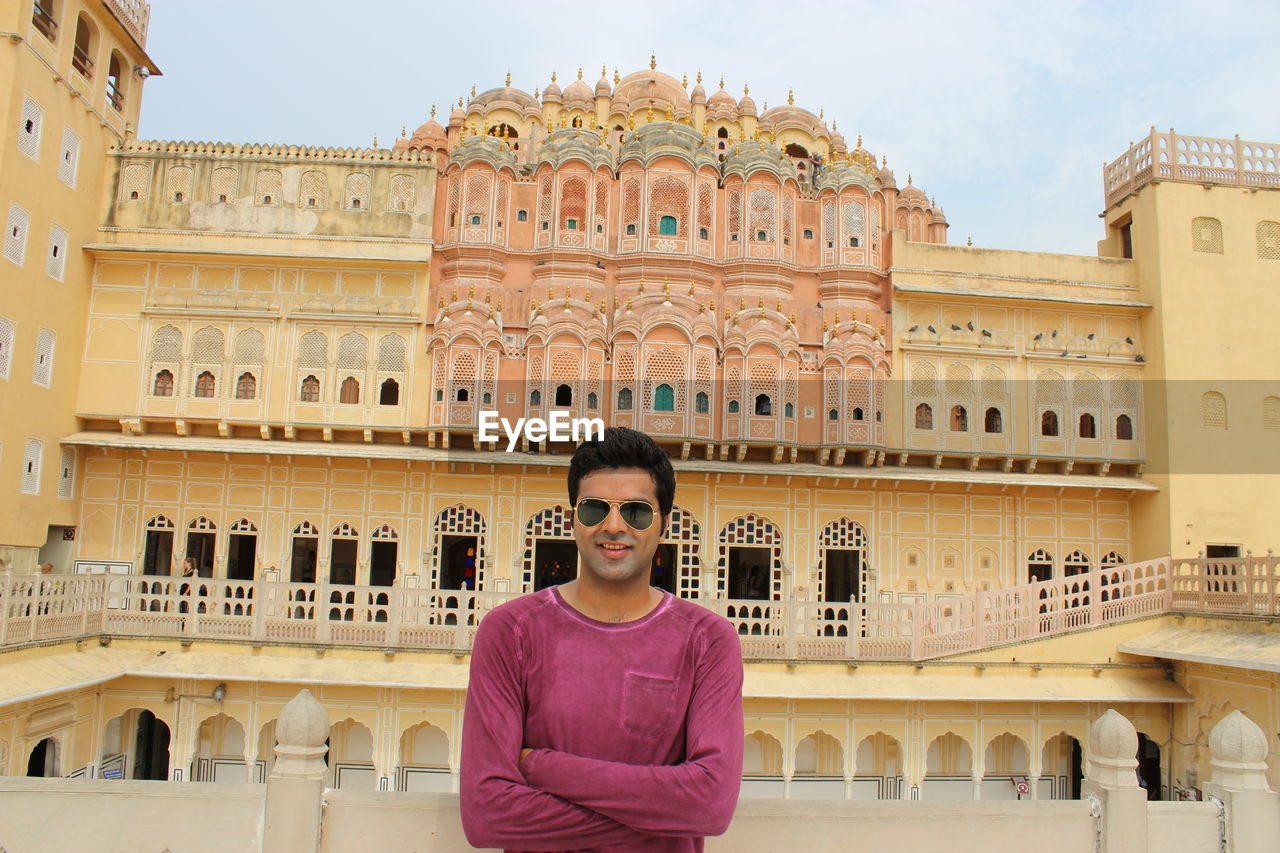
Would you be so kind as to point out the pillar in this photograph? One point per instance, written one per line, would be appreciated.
(1112, 780)
(1238, 756)
(293, 809)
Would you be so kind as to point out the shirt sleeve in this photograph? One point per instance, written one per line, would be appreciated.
(694, 798)
(499, 808)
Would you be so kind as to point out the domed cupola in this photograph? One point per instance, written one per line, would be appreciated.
(721, 105)
(603, 89)
(753, 155)
(578, 93)
(746, 106)
(658, 138)
(699, 94)
(570, 143)
(551, 94)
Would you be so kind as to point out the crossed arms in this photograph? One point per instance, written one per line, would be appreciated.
(553, 800)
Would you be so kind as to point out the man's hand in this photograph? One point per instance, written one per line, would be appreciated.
(524, 752)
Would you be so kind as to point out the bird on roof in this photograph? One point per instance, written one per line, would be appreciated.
(1128, 341)
(970, 325)
(1039, 336)
(932, 329)
(913, 328)
(986, 333)
(955, 327)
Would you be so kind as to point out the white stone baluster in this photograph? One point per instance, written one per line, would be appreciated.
(296, 783)
(1238, 756)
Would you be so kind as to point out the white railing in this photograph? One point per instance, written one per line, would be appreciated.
(1193, 159)
(44, 608)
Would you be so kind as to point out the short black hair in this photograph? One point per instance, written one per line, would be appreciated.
(622, 447)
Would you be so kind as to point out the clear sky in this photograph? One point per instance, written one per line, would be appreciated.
(1005, 112)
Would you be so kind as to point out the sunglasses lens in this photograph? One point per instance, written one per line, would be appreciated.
(637, 514)
(592, 511)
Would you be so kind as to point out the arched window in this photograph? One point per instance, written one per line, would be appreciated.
(631, 229)
(246, 387)
(624, 400)
(82, 51)
(959, 419)
(564, 395)
(833, 415)
(1088, 427)
(789, 410)
(522, 216)
(163, 385)
(664, 398)
(535, 397)
(764, 405)
(992, 421)
(924, 416)
(310, 390)
(667, 226)
(115, 82)
(1039, 566)
(1049, 423)
(702, 403)
(475, 219)
(858, 413)
(390, 393)
(722, 133)
(462, 395)
(1124, 428)
(205, 384)
(349, 392)
(733, 407)
(593, 400)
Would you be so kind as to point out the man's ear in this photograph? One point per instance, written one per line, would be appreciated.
(666, 526)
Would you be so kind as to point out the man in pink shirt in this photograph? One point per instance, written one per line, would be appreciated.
(604, 713)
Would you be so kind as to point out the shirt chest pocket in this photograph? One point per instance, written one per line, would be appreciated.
(648, 704)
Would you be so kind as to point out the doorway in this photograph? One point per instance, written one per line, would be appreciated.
(750, 573)
(382, 563)
(157, 556)
(151, 749)
(1149, 766)
(44, 759)
(458, 562)
(302, 559)
(342, 560)
(665, 568)
(200, 549)
(555, 561)
(843, 579)
(242, 551)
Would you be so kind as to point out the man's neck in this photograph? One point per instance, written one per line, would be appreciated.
(609, 603)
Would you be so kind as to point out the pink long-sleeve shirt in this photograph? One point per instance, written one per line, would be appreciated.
(636, 729)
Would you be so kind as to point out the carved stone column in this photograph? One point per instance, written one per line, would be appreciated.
(297, 781)
(1112, 780)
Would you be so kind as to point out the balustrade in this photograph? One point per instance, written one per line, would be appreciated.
(46, 608)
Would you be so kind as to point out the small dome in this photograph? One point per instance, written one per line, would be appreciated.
(653, 88)
(552, 92)
(699, 95)
(1239, 740)
(603, 89)
(578, 92)
(722, 99)
(429, 135)
(502, 95)
(911, 191)
(746, 106)
(789, 116)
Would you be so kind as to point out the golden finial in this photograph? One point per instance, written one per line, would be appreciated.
(537, 93)
(648, 116)
(735, 318)
(453, 295)
(684, 80)
(778, 306)
(969, 243)
(691, 288)
(820, 111)
(641, 287)
(711, 306)
(884, 161)
(825, 326)
(908, 178)
(490, 312)
(764, 108)
(859, 140)
(375, 142)
(833, 126)
(616, 78)
(742, 302)
(462, 133)
(536, 308)
(792, 319)
(761, 303)
(564, 119)
(670, 111)
(471, 292)
(498, 306)
(653, 62)
(837, 316)
(567, 295)
(933, 202)
(699, 78)
(508, 79)
(553, 76)
(791, 97)
(666, 289)
(866, 317)
(579, 72)
(468, 304)
(727, 312)
(880, 331)
(602, 305)
(721, 82)
(746, 90)
(630, 299)
(473, 93)
(704, 306)
(488, 298)
(631, 121)
(442, 302)
(433, 111)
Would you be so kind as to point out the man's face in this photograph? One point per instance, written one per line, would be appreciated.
(611, 550)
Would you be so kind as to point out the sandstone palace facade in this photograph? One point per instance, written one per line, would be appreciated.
(959, 500)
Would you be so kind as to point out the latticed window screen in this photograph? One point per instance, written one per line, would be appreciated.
(994, 385)
(15, 234)
(1271, 413)
(624, 365)
(455, 201)
(551, 523)
(924, 381)
(859, 393)
(69, 157)
(546, 198)
(756, 531)
(490, 378)
(32, 457)
(1050, 389)
(313, 351)
(29, 127)
(788, 219)
(735, 212)
(313, 190)
(250, 348)
(208, 346)
(56, 260)
(1086, 392)
(845, 535)
(357, 190)
(764, 214)
(391, 354)
(733, 384)
(1213, 410)
(631, 202)
(959, 382)
(6, 348)
(602, 203)
(1124, 393)
(685, 533)
(403, 189)
(1206, 235)
(500, 205)
(1269, 240)
(854, 223)
(665, 367)
(42, 369)
(706, 202)
(464, 376)
(594, 377)
(166, 345)
(267, 186)
(828, 223)
(875, 228)
(573, 202)
(178, 182)
(669, 196)
(222, 185)
(353, 352)
(460, 520)
(477, 200)
(67, 473)
(916, 228)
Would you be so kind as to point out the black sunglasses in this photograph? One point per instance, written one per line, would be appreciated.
(638, 515)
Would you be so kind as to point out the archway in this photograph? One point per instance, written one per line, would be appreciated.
(219, 754)
(1061, 768)
(750, 564)
(458, 558)
(819, 768)
(761, 766)
(1006, 763)
(550, 555)
(676, 567)
(948, 769)
(1149, 776)
(45, 759)
(424, 760)
(135, 745)
(350, 757)
(877, 771)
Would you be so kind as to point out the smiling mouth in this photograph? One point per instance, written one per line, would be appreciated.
(613, 549)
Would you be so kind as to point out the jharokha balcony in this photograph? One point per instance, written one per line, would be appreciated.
(39, 609)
